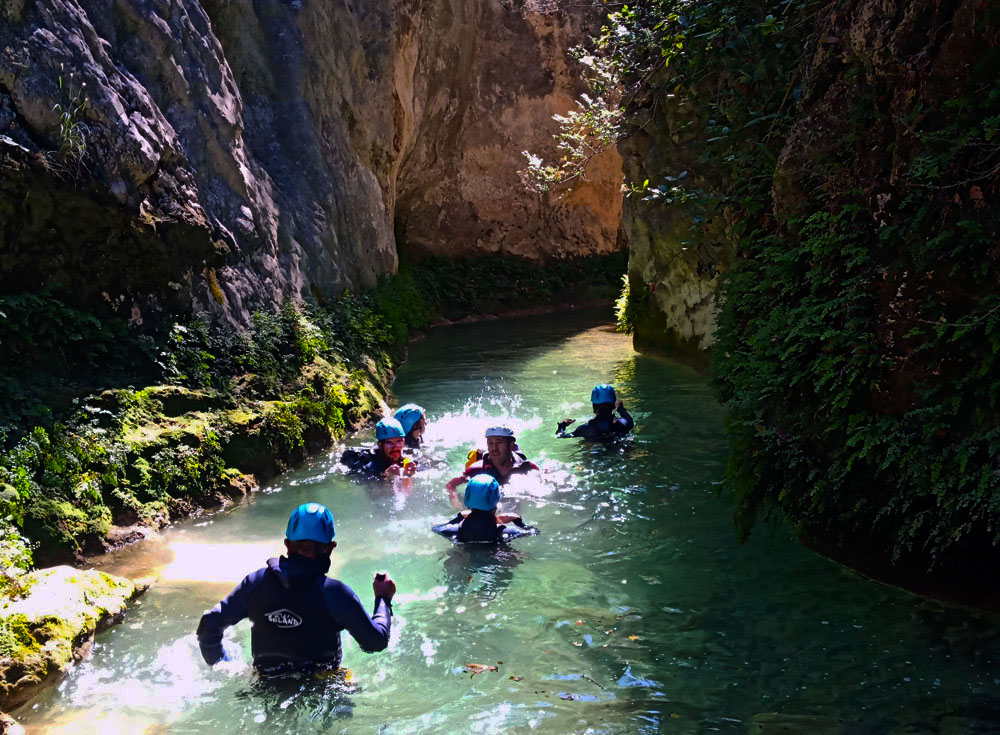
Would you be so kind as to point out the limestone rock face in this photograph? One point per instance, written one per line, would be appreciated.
(235, 153)
(676, 284)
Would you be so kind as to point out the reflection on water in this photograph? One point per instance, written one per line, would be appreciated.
(634, 611)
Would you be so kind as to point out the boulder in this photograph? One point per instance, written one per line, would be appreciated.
(52, 624)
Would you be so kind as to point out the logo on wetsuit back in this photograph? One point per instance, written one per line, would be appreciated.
(284, 618)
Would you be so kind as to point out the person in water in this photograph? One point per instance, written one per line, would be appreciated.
(414, 422)
(604, 425)
(296, 611)
(501, 460)
(481, 523)
(384, 460)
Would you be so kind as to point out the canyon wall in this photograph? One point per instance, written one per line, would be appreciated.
(223, 155)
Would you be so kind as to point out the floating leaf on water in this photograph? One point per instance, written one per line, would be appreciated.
(577, 643)
(674, 716)
(579, 622)
(564, 695)
(469, 578)
(516, 678)
(479, 668)
(633, 637)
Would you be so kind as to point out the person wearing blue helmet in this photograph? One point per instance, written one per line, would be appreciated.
(604, 425)
(481, 523)
(296, 612)
(386, 458)
(413, 420)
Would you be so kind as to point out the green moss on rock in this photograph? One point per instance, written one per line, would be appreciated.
(44, 631)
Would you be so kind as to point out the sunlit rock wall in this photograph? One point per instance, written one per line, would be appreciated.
(242, 152)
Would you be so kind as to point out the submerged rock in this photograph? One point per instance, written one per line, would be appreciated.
(52, 624)
(776, 723)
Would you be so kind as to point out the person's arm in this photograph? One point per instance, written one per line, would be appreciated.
(452, 486)
(371, 633)
(626, 423)
(561, 428)
(214, 622)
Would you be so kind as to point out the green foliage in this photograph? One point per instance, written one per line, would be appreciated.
(858, 345)
(630, 305)
(72, 130)
(51, 352)
(16, 638)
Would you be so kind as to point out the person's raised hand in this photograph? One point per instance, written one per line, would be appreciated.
(618, 404)
(383, 586)
(567, 422)
(393, 470)
(409, 467)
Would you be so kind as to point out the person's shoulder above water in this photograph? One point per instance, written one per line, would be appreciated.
(604, 425)
(481, 523)
(385, 459)
(297, 612)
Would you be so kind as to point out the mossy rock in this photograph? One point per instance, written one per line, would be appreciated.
(177, 400)
(45, 631)
(55, 523)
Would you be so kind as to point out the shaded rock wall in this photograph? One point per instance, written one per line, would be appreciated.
(899, 58)
(677, 283)
(242, 152)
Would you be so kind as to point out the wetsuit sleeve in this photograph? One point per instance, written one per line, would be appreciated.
(626, 423)
(214, 622)
(583, 431)
(561, 431)
(371, 633)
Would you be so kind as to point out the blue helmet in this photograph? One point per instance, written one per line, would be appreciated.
(388, 429)
(482, 493)
(603, 393)
(311, 522)
(409, 416)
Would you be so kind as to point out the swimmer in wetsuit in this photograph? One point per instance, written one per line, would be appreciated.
(604, 425)
(384, 460)
(414, 422)
(501, 461)
(296, 611)
(481, 523)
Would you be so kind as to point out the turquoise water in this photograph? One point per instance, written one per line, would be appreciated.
(635, 611)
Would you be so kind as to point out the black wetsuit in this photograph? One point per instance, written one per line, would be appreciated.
(600, 427)
(371, 461)
(297, 613)
(481, 526)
